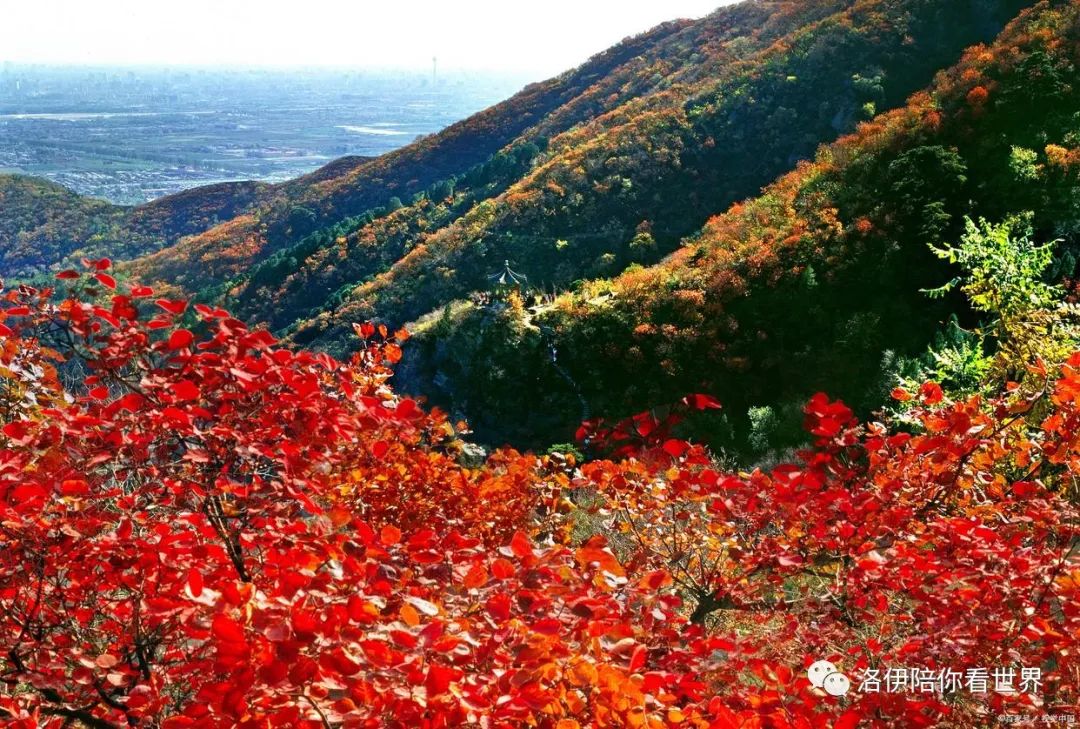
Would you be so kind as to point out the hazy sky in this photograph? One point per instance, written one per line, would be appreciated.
(534, 36)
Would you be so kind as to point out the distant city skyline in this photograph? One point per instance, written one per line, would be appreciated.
(534, 38)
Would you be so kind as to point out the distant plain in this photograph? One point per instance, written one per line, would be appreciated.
(133, 135)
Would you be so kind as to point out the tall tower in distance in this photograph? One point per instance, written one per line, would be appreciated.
(434, 70)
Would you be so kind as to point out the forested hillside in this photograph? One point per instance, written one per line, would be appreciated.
(618, 174)
(427, 166)
(814, 284)
(43, 225)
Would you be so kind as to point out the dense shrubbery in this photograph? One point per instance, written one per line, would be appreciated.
(209, 530)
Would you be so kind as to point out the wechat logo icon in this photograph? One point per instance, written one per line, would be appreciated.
(823, 675)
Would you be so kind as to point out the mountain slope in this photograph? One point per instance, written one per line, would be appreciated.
(43, 224)
(397, 175)
(714, 111)
(813, 285)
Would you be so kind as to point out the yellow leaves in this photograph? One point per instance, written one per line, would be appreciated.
(392, 352)
(409, 615)
(575, 702)
(476, 577)
(1069, 583)
(1057, 155)
(595, 553)
(582, 673)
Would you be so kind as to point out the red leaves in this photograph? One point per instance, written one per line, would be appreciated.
(18, 431)
(645, 424)
(502, 569)
(498, 606)
(648, 434)
(75, 488)
(403, 639)
(106, 661)
(377, 652)
(176, 416)
(676, 448)
(848, 720)
(931, 393)
(184, 390)
(596, 554)
(285, 527)
(106, 280)
(304, 624)
(407, 409)
(439, 678)
(227, 630)
(825, 418)
(131, 402)
(698, 401)
(656, 580)
(100, 264)
(520, 546)
(392, 353)
(900, 395)
(195, 582)
(173, 307)
(476, 577)
(870, 562)
(977, 97)
(26, 497)
(180, 339)
(1026, 489)
(341, 663)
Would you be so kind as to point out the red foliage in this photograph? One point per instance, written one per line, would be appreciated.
(977, 97)
(204, 529)
(644, 431)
